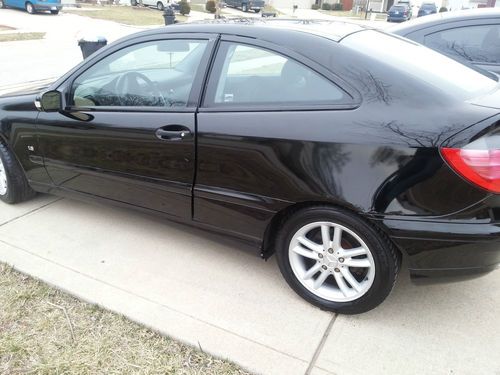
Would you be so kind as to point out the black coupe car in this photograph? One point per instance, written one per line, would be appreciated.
(470, 35)
(339, 148)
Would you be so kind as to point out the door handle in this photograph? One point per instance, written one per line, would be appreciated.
(173, 133)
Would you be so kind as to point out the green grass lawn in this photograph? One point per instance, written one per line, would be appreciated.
(12, 37)
(45, 332)
(199, 8)
(137, 16)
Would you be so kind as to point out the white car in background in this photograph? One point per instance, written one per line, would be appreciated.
(158, 4)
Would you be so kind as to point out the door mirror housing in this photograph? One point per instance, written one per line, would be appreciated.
(51, 101)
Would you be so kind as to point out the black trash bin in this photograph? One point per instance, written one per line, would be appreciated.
(169, 16)
(90, 45)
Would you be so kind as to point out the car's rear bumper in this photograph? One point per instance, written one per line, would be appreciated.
(397, 19)
(47, 6)
(445, 250)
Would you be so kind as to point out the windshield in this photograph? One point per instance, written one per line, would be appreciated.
(426, 65)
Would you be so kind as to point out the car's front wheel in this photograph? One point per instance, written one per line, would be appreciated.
(336, 260)
(54, 12)
(2, 4)
(30, 8)
(133, 3)
(14, 187)
(160, 6)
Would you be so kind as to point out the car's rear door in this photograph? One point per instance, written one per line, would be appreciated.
(128, 130)
(261, 132)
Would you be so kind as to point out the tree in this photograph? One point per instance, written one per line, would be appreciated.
(184, 7)
(210, 6)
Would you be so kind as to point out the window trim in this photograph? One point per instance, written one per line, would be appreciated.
(353, 96)
(196, 89)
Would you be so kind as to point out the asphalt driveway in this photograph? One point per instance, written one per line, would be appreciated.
(214, 294)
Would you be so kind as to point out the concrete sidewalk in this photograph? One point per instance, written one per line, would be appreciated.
(214, 295)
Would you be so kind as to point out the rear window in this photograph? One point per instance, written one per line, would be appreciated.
(426, 65)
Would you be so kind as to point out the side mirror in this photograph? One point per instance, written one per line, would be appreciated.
(51, 101)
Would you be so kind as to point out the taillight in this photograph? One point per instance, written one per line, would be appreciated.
(479, 165)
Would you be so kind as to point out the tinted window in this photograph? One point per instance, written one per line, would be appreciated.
(426, 65)
(253, 76)
(473, 43)
(154, 74)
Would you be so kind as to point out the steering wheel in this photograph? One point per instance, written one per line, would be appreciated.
(130, 82)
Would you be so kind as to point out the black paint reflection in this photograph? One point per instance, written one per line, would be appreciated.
(421, 166)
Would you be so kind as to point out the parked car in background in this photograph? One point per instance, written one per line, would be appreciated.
(426, 9)
(339, 148)
(468, 35)
(33, 6)
(158, 4)
(399, 13)
(247, 5)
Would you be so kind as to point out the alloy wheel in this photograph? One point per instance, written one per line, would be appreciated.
(331, 261)
(3, 179)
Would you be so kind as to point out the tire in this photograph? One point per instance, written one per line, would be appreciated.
(14, 187)
(2, 5)
(30, 8)
(364, 262)
(54, 12)
(256, 10)
(244, 8)
(160, 6)
(133, 3)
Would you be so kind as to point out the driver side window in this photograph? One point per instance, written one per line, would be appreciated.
(153, 74)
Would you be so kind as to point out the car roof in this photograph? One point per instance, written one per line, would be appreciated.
(265, 29)
(444, 17)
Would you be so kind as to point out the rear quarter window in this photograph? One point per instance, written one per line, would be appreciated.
(424, 64)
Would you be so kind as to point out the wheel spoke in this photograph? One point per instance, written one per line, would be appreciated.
(310, 245)
(325, 236)
(350, 279)
(337, 238)
(311, 271)
(324, 250)
(362, 263)
(305, 253)
(349, 253)
(321, 279)
(346, 291)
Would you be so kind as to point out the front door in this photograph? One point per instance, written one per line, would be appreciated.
(128, 131)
